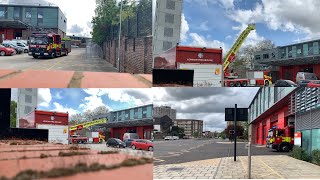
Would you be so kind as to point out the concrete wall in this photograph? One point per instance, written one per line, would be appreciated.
(135, 54)
(62, 22)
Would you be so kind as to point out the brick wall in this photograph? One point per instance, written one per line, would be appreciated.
(135, 54)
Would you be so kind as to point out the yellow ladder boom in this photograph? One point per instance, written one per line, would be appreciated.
(236, 46)
(88, 124)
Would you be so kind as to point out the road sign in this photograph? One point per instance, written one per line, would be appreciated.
(242, 114)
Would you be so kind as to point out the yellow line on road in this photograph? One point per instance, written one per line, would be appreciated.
(270, 168)
(158, 160)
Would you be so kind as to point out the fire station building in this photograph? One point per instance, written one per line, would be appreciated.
(279, 107)
(133, 120)
(270, 107)
(18, 21)
(291, 59)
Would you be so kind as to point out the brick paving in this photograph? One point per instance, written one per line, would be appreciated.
(65, 79)
(263, 167)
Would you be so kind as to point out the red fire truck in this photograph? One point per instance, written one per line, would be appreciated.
(48, 45)
(281, 139)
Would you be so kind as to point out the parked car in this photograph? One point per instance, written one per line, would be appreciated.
(114, 142)
(142, 144)
(19, 50)
(303, 83)
(285, 83)
(4, 51)
(313, 84)
(128, 142)
(171, 138)
(131, 136)
(19, 44)
(305, 76)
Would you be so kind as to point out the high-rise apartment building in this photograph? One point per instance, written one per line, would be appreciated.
(27, 101)
(165, 110)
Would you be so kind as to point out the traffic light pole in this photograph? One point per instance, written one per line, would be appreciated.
(235, 132)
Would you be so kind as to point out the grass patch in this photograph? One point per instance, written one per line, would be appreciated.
(20, 143)
(108, 152)
(72, 153)
(78, 168)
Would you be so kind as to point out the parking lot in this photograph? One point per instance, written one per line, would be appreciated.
(181, 151)
(128, 151)
(80, 59)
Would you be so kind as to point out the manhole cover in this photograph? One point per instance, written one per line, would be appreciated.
(175, 169)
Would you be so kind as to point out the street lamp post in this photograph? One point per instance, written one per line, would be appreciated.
(120, 37)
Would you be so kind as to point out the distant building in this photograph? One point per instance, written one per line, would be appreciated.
(166, 25)
(26, 103)
(18, 21)
(165, 110)
(163, 124)
(190, 126)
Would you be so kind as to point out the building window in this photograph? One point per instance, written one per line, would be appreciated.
(27, 109)
(166, 45)
(310, 47)
(265, 56)
(168, 32)
(169, 18)
(258, 57)
(16, 12)
(28, 13)
(171, 4)
(2, 12)
(40, 16)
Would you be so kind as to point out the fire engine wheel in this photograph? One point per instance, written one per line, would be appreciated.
(238, 84)
(231, 84)
(244, 84)
(79, 142)
(266, 83)
(285, 148)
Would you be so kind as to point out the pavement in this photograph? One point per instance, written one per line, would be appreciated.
(182, 151)
(263, 167)
(73, 71)
(17, 158)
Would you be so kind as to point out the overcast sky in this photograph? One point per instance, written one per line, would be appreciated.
(218, 23)
(206, 104)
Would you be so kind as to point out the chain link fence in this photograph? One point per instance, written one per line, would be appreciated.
(93, 51)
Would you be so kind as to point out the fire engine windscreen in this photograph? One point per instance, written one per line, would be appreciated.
(41, 40)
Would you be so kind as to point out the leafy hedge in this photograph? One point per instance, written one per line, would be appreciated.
(301, 154)
(316, 156)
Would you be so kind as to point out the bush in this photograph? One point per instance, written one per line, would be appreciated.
(300, 153)
(316, 156)
(223, 136)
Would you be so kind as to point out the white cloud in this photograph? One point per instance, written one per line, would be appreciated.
(58, 95)
(228, 4)
(59, 108)
(44, 97)
(92, 102)
(200, 41)
(184, 29)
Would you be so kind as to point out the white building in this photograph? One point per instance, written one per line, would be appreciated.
(166, 25)
(27, 101)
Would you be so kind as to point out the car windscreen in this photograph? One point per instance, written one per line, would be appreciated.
(311, 77)
(118, 140)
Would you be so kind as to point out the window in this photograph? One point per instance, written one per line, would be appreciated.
(3, 12)
(40, 16)
(28, 98)
(29, 89)
(299, 50)
(258, 57)
(265, 56)
(27, 109)
(28, 13)
(169, 18)
(310, 46)
(166, 45)
(290, 51)
(168, 32)
(16, 12)
(171, 5)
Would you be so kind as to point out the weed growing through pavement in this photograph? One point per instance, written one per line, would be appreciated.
(108, 152)
(72, 153)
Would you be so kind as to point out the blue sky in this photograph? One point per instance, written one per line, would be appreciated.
(80, 100)
(218, 23)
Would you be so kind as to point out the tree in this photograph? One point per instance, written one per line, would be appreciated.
(88, 115)
(239, 130)
(13, 113)
(177, 131)
(195, 134)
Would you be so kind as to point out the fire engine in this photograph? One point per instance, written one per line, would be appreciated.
(49, 45)
(281, 139)
(75, 138)
(254, 78)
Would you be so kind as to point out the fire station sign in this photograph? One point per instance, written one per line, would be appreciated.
(242, 114)
(297, 139)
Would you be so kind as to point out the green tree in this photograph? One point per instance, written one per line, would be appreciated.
(13, 114)
(195, 134)
(177, 131)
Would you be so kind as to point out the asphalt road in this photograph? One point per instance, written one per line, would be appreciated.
(80, 59)
(180, 151)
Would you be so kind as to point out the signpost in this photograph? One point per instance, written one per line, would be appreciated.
(236, 114)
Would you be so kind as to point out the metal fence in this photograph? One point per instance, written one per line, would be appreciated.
(93, 51)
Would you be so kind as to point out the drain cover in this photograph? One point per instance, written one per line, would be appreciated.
(175, 169)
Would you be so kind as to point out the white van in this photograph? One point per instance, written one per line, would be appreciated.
(130, 136)
(301, 76)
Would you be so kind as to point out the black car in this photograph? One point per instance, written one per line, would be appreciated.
(114, 142)
(285, 83)
(128, 142)
(19, 50)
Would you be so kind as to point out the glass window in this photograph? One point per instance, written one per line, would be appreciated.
(171, 5)
(283, 53)
(305, 49)
(310, 47)
(27, 109)
(294, 51)
(28, 13)
(169, 18)
(166, 45)
(316, 48)
(306, 141)
(299, 50)
(290, 51)
(168, 32)
(28, 99)
(16, 12)
(265, 56)
(258, 57)
(315, 139)
(2, 12)
(40, 16)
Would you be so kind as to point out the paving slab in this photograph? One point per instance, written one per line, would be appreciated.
(6, 72)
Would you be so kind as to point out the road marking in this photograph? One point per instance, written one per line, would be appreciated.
(281, 177)
(158, 160)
